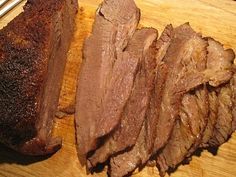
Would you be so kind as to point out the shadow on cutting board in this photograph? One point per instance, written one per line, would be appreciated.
(11, 157)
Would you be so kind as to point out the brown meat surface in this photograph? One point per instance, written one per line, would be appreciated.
(187, 132)
(125, 163)
(212, 117)
(223, 127)
(142, 48)
(193, 112)
(139, 99)
(103, 89)
(177, 57)
(220, 99)
(219, 63)
(33, 50)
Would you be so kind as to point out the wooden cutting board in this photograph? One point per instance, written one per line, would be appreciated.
(210, 17)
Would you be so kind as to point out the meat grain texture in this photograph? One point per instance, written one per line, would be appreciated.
(140, 48)
(33, 50)
(107, 73)
(144, 99)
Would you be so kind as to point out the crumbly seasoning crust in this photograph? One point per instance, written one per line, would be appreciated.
(24, 51)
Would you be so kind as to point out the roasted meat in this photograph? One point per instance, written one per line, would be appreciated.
(126, 162)
(143, 99)
(106, 80)
(142, 49)
(33, 49)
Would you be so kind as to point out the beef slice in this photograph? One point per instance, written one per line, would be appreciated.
(101, 95)
(141, 48)
(126, 162)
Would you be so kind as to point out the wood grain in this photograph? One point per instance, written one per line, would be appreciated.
(210, 17)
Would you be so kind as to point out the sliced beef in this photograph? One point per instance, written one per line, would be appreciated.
(201, 124)
(219, 61)
(212, 118)
(219, 68)
(192, 113)
(125, 163)
(33, 51)
(185, 55)
(186, 137)
(139, 99)
(187, 132)
(142, 49)
(106, 79)
(223, 127)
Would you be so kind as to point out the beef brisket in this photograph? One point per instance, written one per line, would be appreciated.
(193, 112)
(33, 51)
(195, 122)
(103, 88)
(186, 45)
(213, 111)
(139, 99)
(187, 132)
(223, 127)
(219, 61)
(125, 163)
(141, 48)
(193, 80)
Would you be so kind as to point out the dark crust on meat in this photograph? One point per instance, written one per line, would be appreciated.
(19, 101)
(24, 52)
